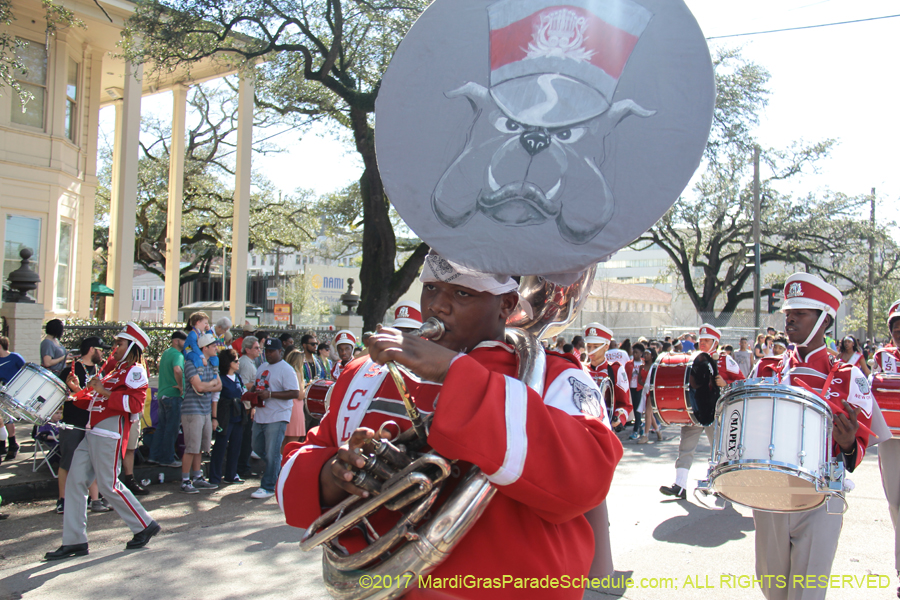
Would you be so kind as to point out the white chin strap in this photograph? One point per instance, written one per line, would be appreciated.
(814, 330)
(596, 350)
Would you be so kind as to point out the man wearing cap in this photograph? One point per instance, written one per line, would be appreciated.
(201, 394)
(168, 402)
(344, 343)
(728, 372)
(550, 455)
(110, 402)
(276, 385)
(597, 338)
(804, 543)
(887, 361)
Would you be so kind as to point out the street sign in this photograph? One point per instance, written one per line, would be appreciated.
(282, 312)
(272, 293)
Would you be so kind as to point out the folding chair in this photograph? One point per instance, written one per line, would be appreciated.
(46, 448)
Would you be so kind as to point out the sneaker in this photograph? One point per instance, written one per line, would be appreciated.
(262, 494)
(255, 455)
(187, 488)
(98, 507)
(104, 502)
(60, 505)
(150, 461)
(176, 463)
(12, 451)
(237, 479)
(675, 490)
(202, 484)
(634, 436)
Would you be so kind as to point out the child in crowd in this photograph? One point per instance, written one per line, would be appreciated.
(198, 324)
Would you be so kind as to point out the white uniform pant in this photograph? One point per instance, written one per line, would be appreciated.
(795, 544)
(690, 437)
(889, 463)
(99, 457)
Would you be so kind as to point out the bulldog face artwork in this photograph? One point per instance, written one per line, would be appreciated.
(537, 141)
(536, 137)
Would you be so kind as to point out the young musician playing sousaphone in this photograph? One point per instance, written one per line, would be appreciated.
(111, 403)
(804, 543)
(728, 372)
(887, 361)
(550, 456)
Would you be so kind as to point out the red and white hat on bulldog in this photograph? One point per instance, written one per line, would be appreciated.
(803, 290)
(344, 336)
(709, 332)
(595, 333)
(135, 334)
(408, 314)
(893, 312)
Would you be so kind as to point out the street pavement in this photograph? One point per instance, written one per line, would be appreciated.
(223, 544)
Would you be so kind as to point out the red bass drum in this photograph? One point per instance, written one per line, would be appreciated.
(314, 402)
(684, 389)
(886, 389)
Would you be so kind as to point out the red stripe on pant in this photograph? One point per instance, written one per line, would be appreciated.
(116, 485)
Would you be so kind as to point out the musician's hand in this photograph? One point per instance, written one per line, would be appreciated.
(337, 473)
(720, 381)
(72, 382)
(95, 384)
(845, 428)
(423, 357)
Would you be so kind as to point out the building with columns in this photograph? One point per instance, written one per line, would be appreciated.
(48, 159)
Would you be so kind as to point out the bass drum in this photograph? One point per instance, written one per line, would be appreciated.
(314, 402)
(683, 389)
(886, 389)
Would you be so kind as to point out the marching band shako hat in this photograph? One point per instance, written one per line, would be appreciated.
(893, 313)
(595, 333)
(709, 332)
(134, 334)
(555, 64)
(408, 314)
(802, 290)
(344, 336)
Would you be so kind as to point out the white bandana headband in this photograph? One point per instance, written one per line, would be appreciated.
(438, 268)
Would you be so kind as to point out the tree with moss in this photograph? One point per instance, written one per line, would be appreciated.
(317, 61)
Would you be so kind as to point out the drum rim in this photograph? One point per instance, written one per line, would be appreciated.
(820, 407)
(651, 382)
(733, 465)
(813, 479)
(45, 372)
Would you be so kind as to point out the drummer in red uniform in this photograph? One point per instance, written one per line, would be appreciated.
(728, 372)
(344, 343)
(112, 403)
(793, 546)
(887, 361)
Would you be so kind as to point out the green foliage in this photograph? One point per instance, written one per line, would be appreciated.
(308, 308)
(159, 333)
(56, 16)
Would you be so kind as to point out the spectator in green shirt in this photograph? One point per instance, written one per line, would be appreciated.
(169, 399)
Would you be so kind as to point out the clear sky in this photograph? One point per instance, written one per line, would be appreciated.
(829, 82)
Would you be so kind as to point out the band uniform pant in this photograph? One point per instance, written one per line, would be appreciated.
(889, 464)
(690, 437)
(799, 543)
(99, 457)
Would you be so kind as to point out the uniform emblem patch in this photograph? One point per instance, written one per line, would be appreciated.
(586, 400)
(136, 375)
(863, 384)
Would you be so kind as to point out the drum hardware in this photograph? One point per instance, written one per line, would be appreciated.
(792, 470)
(673, 377)
(33, 395)
(886, 389)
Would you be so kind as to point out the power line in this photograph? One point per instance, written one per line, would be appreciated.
(719, 37)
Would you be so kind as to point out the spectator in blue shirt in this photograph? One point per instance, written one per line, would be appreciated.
(10, 363)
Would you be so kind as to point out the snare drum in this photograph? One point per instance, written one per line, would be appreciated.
(772, 448)
(674, 377)
(33, 395)
(886, 389)
(316, 392)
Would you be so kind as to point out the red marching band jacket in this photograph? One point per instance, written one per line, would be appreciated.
(887, 360)
(729, 369)
(550, 457)
(620, 380)
(128, 384)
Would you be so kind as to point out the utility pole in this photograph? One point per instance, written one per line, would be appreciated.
(756, 250)
(870, 289)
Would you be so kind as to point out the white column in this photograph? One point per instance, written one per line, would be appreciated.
(176, 198)
(123, 207)
(240, 239)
